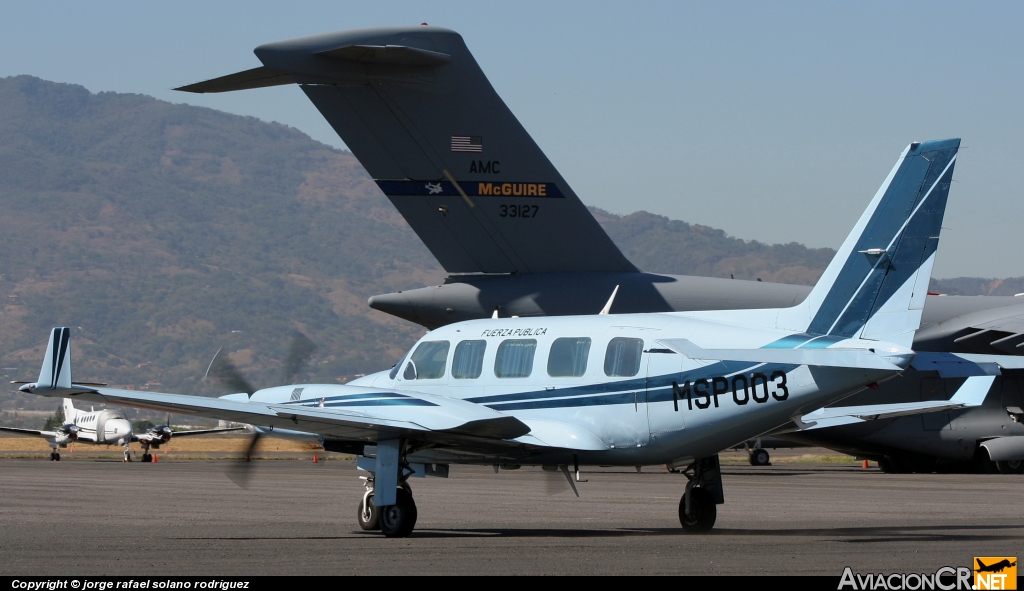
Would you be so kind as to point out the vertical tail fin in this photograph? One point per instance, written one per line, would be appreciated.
(876, 285)
(56, 370)
(70, 412)
(418, 112)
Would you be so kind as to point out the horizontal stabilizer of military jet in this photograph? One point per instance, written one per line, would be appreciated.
(261, 77)
(856, 358)
(972, 393)
(961, 365)
(397, 55)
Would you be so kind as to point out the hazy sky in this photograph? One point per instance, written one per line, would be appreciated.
(775, 121)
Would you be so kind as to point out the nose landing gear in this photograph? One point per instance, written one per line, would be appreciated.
(366, 514)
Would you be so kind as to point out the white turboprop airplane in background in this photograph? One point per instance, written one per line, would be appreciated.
(630, 390)
(105, 427)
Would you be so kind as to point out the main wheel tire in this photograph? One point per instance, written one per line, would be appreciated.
(368, 520)
(1010, 467)
(398, 520)
(703, 512)
(759, 457)
(56, 457)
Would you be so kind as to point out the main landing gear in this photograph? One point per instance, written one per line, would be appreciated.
(759, 457)
(54, 456)
(395, 517)
(697, 508)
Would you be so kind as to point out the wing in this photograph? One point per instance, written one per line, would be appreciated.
(177, 434)
(30, 432)
(353, 414)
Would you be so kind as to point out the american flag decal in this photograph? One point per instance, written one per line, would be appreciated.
(467, 143)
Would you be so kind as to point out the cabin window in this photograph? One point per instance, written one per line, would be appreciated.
(468, 362)
(427, 361)
(514, 358)
(568, 357)
(622, 359)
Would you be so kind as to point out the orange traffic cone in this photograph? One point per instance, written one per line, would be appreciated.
(315, 461)
(155, 458)
(865, 464)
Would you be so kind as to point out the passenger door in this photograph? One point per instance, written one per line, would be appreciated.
(663, 413)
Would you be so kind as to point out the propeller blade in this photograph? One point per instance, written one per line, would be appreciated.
(300, 349)
(240, 472)
(223, 372)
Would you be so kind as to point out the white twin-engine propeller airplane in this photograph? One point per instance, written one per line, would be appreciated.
(104, 427)
(640, 389)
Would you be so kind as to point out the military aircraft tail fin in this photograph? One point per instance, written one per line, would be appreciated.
(876, 285)
(56, 370)
(417, 111)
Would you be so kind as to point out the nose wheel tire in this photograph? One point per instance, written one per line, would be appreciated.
(398, 520)
(54, 457)
(147, 457)
(703, 512)
(367, 516)
(127, 456)
(759, 457)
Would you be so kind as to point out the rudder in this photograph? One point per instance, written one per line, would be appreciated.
(56, 370)
(876, 285)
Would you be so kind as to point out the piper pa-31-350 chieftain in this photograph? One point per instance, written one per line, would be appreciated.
(631, 389)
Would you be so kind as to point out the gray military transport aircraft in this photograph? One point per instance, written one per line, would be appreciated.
(669, 388)
(420, 115)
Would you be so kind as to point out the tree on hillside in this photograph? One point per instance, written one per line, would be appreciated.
(56, 419)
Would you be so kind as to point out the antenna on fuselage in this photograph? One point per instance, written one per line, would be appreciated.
(608, 307)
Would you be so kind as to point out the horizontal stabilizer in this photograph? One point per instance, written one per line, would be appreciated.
(261, 77)
(972, 393)
(856, 358)
(396, 55)
(961, 365)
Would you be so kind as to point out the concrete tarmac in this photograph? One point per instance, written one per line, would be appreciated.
(100, 517)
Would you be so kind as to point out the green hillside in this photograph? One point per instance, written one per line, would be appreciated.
(167, 231)
(164, 232)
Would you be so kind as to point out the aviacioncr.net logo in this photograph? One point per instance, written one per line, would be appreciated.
(946, 578)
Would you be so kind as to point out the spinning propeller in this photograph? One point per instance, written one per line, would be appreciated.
(221, 371)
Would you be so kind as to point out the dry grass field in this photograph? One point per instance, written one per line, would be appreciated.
(185, 446)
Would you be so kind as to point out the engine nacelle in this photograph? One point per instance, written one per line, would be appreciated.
(66, 434)
(158, 435)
